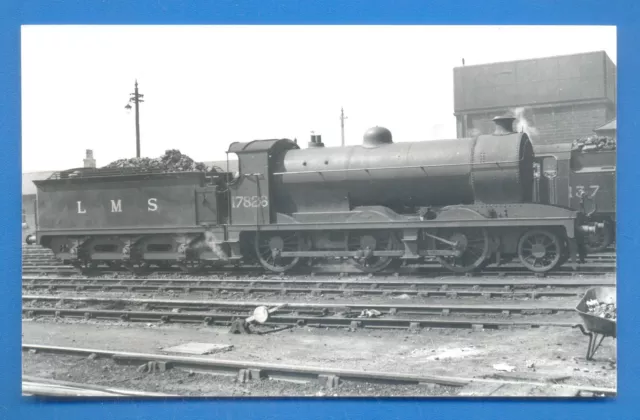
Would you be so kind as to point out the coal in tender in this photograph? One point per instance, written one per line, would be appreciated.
(172, 161)
(593, 143)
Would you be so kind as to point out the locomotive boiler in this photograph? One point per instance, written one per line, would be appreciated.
(495, 169)
(466, 203)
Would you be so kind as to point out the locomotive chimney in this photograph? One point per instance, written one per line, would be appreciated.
(89, 161)
(504, 125)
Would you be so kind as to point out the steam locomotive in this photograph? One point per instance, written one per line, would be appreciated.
(465, 202)
(584, 180)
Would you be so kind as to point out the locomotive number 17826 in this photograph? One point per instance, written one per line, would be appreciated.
(250, 201)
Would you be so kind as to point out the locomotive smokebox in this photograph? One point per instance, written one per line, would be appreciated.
(377, 136)
(504, 125)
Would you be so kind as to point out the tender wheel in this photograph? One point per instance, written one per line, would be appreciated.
(367, 242)
(191, 266)
(114, 265)
(540, 250)
(269, 245)
(85, 264)
(599, 241)
(474, 244)
(164, 265)
(137, 267)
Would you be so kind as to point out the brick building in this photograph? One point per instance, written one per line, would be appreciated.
(562, 97)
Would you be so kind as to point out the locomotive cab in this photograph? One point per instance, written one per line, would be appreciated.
(250, 194)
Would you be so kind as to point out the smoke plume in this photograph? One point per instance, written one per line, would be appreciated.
(211, 242)
(522, 125)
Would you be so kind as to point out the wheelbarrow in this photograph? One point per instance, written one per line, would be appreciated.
(595, 327)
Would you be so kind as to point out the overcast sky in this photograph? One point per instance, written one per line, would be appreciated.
(208, 86)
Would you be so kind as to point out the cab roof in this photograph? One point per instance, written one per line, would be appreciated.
(262, 146)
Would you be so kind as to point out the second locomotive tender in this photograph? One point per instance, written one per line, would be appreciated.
(582, 179)
(466, 202)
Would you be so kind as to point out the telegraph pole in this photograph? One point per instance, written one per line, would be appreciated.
(342, 118)
(136, 99)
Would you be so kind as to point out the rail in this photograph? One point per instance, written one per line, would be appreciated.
(331, 377)
(323, 309)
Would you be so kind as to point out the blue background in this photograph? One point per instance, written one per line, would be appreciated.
(623, 14)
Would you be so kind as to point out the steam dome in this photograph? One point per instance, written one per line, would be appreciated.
(377, 136)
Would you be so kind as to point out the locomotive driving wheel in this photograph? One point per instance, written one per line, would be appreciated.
(269, 246)
(540, 250)
(367, 242)
(474, 245)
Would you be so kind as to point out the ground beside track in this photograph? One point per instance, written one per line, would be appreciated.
(540, 354)
(557, 353)
(178, 382)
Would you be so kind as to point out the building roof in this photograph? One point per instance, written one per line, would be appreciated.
(534, 59)
(610, 126)
(565, 79)
(28, 187)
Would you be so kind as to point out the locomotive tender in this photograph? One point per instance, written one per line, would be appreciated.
(466, 202)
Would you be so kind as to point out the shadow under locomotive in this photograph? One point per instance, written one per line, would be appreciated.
(467, 202)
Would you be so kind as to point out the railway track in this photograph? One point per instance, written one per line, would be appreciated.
(39, 261)
(350, 315)
(325, 376)
(317, 309)
(459, 287)
(596, 268)
(45, 387)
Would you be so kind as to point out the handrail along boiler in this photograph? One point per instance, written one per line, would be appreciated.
(466, 202)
